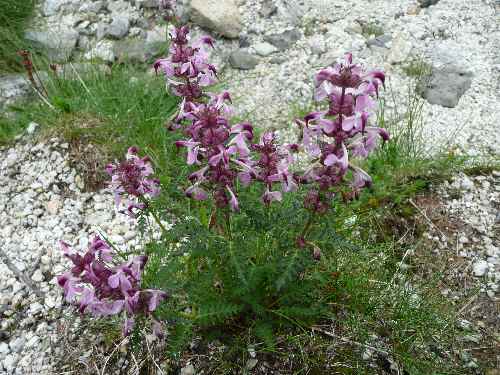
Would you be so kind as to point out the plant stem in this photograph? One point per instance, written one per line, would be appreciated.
(309, 222)
(231, 248)
(228, 227)
(155, 216)
(158, 221)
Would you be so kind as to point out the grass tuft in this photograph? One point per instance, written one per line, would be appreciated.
(111, 109)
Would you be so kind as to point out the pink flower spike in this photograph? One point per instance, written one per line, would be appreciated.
(98, 288)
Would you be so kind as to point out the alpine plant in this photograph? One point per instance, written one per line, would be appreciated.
(225, 157)
(100, 285)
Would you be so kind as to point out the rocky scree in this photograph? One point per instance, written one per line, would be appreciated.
(458, 39)
(465, 247)
(42, 201)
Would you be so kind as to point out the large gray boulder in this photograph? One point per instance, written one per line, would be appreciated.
(283, 40)
(58, 43)
(119, 27)
(221, 16)
(445, 86)
(243, 60)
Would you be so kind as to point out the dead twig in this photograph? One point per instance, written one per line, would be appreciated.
(424, 215)
(349, 341)
(111, 355)
(19, 275)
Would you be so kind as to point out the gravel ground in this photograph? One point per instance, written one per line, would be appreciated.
(42, 202)
(464, 240)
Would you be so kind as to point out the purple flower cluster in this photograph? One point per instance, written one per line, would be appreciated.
(220, 149)
(130, 179)
(224, 152)
(273, 167)
(101, 287)
(329, 136)
(187, 68)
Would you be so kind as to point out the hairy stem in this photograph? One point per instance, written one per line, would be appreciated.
(228, 226)
(155, 216)
(309, 223)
